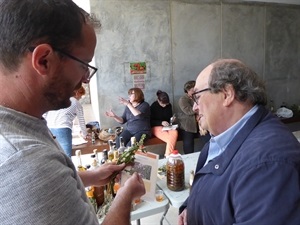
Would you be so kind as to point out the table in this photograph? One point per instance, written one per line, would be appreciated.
(145, 208)
(149, 208)
(177, 198)
(89, 146)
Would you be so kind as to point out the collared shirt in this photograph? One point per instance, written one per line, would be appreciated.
(218, 144)
(63, 118)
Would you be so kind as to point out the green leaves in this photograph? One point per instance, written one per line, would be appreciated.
(128, 155)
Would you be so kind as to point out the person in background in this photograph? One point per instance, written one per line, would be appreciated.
(42, 61)
(251, 167)
(136, 116)
(161, 113)
(188, 127)
(60, 122)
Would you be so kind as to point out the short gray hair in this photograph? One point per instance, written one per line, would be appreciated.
(246, 83)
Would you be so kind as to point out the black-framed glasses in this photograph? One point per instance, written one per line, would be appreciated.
(90, 70)
(196, 97)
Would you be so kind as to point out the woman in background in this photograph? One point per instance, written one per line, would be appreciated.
(60, 122)
(161, 113)
(187, 119)
(136, 116)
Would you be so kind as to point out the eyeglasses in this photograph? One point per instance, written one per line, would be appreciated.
(90, 70)
(195, 97)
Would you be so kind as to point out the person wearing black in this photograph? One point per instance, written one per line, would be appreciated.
(161, 113)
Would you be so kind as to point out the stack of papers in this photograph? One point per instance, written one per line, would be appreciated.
(173, 127)
(78, 141)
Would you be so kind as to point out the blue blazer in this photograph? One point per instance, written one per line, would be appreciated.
(255, 181)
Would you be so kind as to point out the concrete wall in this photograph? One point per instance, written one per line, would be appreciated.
(178, 39)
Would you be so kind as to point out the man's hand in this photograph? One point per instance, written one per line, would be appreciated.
(119, 212)
(101, 175)
(182, 218)
(133, 187)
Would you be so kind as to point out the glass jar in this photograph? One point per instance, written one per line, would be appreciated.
(175, 172)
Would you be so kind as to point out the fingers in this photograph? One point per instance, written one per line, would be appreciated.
(113, 167)
(139, 178)
(103, 174)
(110, 113)
(135, 186)
(123, 101)
(182, 218)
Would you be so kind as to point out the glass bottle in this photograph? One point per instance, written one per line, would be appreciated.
(175, 172)
(98, 191)
(94, 163)
(93, 137)
(104, 156)
(111, 151)
(96, 154)
(122, 146)
(79, 162)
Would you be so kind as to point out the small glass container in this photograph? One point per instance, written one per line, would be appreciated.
(159, 195)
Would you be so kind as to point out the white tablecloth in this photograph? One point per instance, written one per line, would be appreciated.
(176, 198)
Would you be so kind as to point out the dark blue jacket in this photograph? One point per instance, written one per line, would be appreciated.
(256, 181)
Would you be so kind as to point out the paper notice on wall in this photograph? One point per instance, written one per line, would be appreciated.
(139, 81)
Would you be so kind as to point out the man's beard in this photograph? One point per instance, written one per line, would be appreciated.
(56, 95)
(57, 102)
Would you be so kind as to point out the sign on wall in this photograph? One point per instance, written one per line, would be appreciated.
(138, 70)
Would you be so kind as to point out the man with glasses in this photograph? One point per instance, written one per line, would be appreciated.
(89, 70)
(249, 171)
(45, 50)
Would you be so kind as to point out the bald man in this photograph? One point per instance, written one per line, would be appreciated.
(249, 171)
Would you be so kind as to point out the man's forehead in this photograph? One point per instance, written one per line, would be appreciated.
(203, 77)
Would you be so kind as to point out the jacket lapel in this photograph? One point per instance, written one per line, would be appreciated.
(219, 164)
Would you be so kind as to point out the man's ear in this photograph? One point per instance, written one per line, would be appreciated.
(42, 56)
(229, 95)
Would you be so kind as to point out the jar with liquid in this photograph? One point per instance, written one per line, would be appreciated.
(175, 172)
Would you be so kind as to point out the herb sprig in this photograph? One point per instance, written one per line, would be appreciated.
(127, 157)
